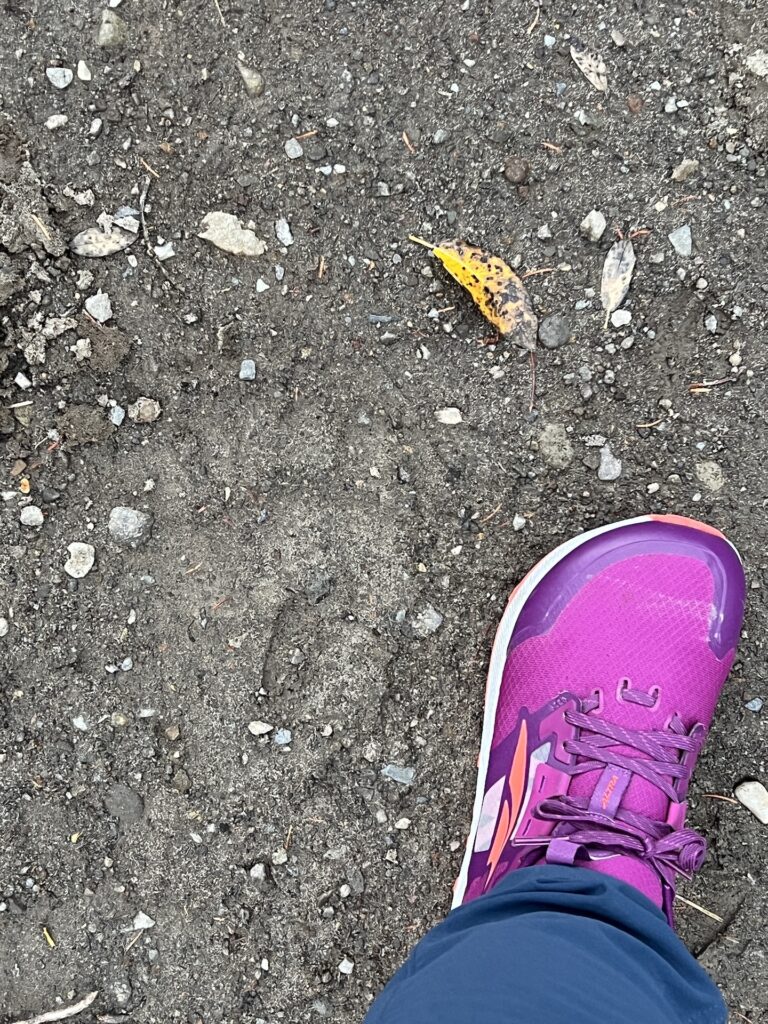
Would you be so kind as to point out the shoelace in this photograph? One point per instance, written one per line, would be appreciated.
(578, 827)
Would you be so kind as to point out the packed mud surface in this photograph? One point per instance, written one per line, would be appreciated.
(302, 545)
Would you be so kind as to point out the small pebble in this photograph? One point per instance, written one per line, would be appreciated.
(593, 226)
(711, 323)
(293, 149)
(544, 232)
(346, 966)
(4, 626)
(754, 796)
(99, 306)
(31, 515)
(681, 240)
(117, 415)
(426, 622)
(129, 527)
(554, 331)
(80, 561)
(142, 921)
(283, 232)
(56, 121)
(685, 169)
(404, 776)
(610, 467)
(59, 78)
(83, 71)
(144, 410)
(755, 705)
(621, 317)
(259, 728)
(450, 416)
(282, 737)
(253, 80)
(247, 370)
(440, 136)
(280, 856)
(516, 170)
(402, 824)
(518, 522)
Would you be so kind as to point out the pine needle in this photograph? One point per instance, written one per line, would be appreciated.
(702, 910)
(421, 241)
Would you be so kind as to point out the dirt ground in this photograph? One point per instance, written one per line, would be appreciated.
(153, 848)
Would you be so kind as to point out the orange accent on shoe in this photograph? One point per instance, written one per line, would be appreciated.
(508, 817)
(694, 524)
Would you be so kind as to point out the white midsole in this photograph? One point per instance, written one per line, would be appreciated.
(496, 672)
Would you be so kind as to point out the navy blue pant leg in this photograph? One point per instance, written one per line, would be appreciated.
(552, 945)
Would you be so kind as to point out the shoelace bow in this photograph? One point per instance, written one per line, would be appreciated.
(668, 850)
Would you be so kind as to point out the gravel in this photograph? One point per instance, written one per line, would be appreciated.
(593, 226)
(129, 527)
(554, 331)
(283, 232)
(254, 81)
(247, 370)
(610, 467)
(99, 307)
(516, 170)
(59, 78)
(426, 622)
(681, 240)
(120, 801)
(404, 776)
(293, 149)
(81, 559)
(31, 515)
(754, 796)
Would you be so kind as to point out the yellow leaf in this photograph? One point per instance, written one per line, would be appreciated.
(496, 289)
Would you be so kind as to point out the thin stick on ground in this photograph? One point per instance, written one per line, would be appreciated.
(533, 382)
(63, 1013)
(145, 235)
(535, 21)
(221, 16)
(702, 910)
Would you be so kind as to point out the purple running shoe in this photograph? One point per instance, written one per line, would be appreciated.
(606, 669)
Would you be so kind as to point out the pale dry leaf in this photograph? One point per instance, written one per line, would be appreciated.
(617, 275)
(592, 67)
(94, 242)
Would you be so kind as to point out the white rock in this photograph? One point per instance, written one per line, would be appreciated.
(518, 522)
(80, 561)
(31, 515)
(4, 627)
(59, 78)
(754, 796)
(56, 121)
(142, 921)
(402, 824)
(80, 722)
(283, 232)
(711, 323)
(610, 467)
(226, 232)
(710, 475)
(450, 416)
(129, 526)
(293, 149)
(621, 317)
(112, 30)
(681, 240)
(346, 966)
(261, 286)
(247, 370)
(280, 856)
(757, 63)
(144, 410)
(593, 226)
(83, 71)
(259, 728)
(164, 252)
(99, 307)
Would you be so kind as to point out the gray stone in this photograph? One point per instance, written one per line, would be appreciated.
(80, 561)
(144, 410)
(621, 317)
(247, 370)
(254, 81)
(555, 448)
(440, 136)
(293, 149)
(426, 622)
(685, 169)
(124, 803)
(141, 922)
(282, 737)
(56, 121)
(31, 515)
(112, 30)
(129, 526)
(554, 331)
(610, 467)
(710, 475)
(516, 170)
(117, 414)
(755, 705)
(404, 776)
(681, 240)
(593, 226)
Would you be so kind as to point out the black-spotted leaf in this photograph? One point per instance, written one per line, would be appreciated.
(617, 275)
(495, 288)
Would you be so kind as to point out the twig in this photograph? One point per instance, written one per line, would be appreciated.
(702, 910)
(193, 569)
(553, 147)
(145, 234)
(146, 167)
(653, 423)
(221, 16)
(42, 226)
(410, 146)
(491, 514)
(719, 796)
(540, 270)
(306, 135)
(705, 385)
(63, 1013)
(741, 1016)
(421, 241)
(135, 939)
(533, 382)
(321, 268)
(535, 21)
